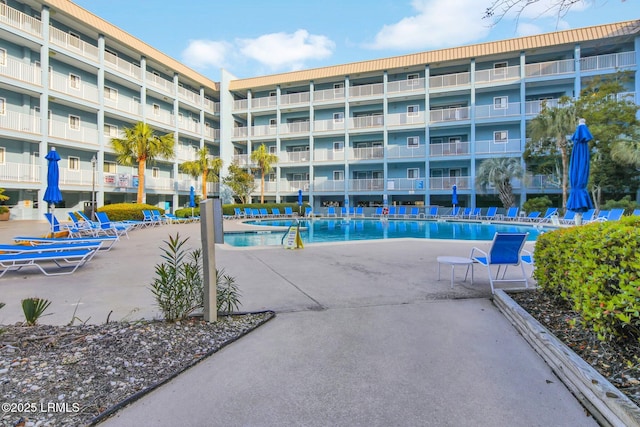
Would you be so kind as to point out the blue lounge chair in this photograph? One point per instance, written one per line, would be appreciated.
(505, 251)
(275, 212)
(343, 211)
(331, 211)
(477, 213)
(455, 211)
(107, 241)
(108, 227)
(56, 226)
(512, 214)
(359, 211)
(288, 211)
(173, 219)
(466, 213)
(636, 212)
(568, 218)
(264, 213)
(433, 212)
(588, 216)
(392, 212)
(402, 212)
(615, 214)
(255, 213)
(248, 213)
(548, 214)
(378, 212)
(415, 213)
(491, 213)
(533, 216)
(67, 260)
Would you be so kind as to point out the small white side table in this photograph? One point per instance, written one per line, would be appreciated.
(453, 261)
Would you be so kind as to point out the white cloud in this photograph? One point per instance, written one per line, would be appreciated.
(203, 54)
(528, 29)
(438, 23)
(286, 50)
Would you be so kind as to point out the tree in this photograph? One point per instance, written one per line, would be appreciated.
(141, 146)
(206, 166)
(265, 161)
(498, 173)
(240, 182)
(548, 140)
(499, 8)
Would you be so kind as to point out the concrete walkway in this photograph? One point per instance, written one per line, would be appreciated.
(365, 336)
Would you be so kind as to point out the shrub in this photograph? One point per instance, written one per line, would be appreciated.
(625, 203)
(228, 295)
(127, 211)
(33, 308)
(537, 204)
(596, 268)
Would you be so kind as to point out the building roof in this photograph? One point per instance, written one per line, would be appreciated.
(451, 54)
(67, 7)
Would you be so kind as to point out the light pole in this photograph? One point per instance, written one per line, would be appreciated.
(93, 187)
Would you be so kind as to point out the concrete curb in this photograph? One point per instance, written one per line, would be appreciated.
(605, 402)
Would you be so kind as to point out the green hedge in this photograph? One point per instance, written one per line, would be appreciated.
(127, 211)
(229, 209)
(596, 268)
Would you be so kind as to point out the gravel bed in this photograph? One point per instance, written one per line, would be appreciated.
(76, 375)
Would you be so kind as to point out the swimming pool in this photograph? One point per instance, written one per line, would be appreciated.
(342, 230)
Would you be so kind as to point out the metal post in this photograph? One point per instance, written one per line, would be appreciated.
(209, 275)
(94, 161)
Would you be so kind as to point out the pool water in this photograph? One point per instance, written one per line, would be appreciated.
(341, 230)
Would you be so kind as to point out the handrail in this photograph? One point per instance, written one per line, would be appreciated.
(296, 223)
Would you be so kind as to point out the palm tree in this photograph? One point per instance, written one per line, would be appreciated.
(498, 172)
(141, 145)
(548, 132)
(206, 166)
(265, 161)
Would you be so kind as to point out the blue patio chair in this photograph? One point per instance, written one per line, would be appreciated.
(433, 212)
(505, 251)
(636, 212)
(588, 216)
(466, 213)
(377, 212)
(255, 213)
(308, 211)
(117, 228)
(248, 213)
(455, 211)
(56, 226)
(568, 218)
(331, 211)
(491, 213)
(238, 213)
(67, 260)
(415, 213)
(402, 212)
(275, 212)
(532, 216)
(263, 213)
(359, 211)
(477, 213)
(512, 214)
(548, 214)
(392, 211)
(615, 214)
(288, 211)
(343, 211)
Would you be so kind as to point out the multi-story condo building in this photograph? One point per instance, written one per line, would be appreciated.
(398, 130)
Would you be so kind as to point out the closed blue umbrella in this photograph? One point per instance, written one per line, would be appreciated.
(300, 202)
(192, 199)
(52, 194)
(454, 196)
(579, 200)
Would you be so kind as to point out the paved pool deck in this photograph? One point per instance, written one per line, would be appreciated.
(365, 335)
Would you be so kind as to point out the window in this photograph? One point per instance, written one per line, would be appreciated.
(413, 110)
(338, 175)
(74, 163)
(413, 141)
(271, 177)
(272, 149)
(109, 167)
(500, 102)
(110, 130)
(413, 173)
(156, 110)
(74, 122)
(273, 93)
(338, 145)
(273, 123)
(155, 172)
(3, 106)
(110, 93)
(74, 81)
(338, 117)
(3, 152)
(3, 56)
(500, 137)
(436, 140)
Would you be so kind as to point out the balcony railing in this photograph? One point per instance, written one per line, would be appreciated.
(294, 157)
(76, 176)
(189, 95)
(498, 147)
(240, 104)
(264, 102)
(241, 159)
(543, 181)
(292, 186)
(160, 83)
(123, 103)
(60, 129)
(448, 80)
(62, 83)
(497, 74)
(328, 125)
(512, 109)
(161, 184)
(189, 125)
(449, 149)
(320, 184)
(20, 172)
(295, 98)
(320, 155)
(447, 182)
(604, 62)
(366, 90)
(269, 186)
(336, 94)
(295, 127)
(186, 153)
(162, 116)
(20, 20)
(367, 184)
(73, 44)
(263, 130)
(240, 132)
(18, 70)
(535, 107)
(366, 122)
(405, 151)
(123, 66)
(20, 122)
(403, 86)
(402, 119)
(211, 106)
(366, 153)
(211, 133)
(550, 68)
(406, 184)
(449, 114)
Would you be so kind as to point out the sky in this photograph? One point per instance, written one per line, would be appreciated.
(251, 38)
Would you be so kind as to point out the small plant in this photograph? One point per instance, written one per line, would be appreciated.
(33, 308)
(228, 295)
(3, 198)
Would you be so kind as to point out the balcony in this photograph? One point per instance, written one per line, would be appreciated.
(491, 111)
(449, 114)
(495, 75)
(211, 133)
(294, 157)
(605, 62)
(264, 102)
(372, 184)
(550, 68)
(263, 130)
(158, 184)
(158, 82)
(406, 184)
(20, 172)
(124, 104)
(22, 71)
(189, 95)
(186, 153)
(161, 116)
(447, 182)
(406, 86)
(125, 67)
(211, 106)
(536, 107)
(404, 119)
(291, 99)
(366, 153)
(361, 91)
(240, 132)
(336, 94)
(76, 176)
(328, 185)
(20, 122)
(405, 151)
(366, 122)
(320, 155)
(450, 80)
(543, 181)
(328, 125)
(189, 125)
(21, 21)
(295, 127)
(63, 83)
(240, 104)
(498, 147)
(458, 148)
(292, 186)
(72, 44)
(270, 187)
(61, 129)
(241, 159)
